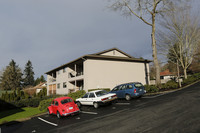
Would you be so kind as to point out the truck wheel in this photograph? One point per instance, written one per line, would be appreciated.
(96, 105)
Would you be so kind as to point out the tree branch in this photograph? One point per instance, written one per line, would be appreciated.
(140, 17)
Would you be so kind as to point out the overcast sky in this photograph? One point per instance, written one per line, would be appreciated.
(53, 32)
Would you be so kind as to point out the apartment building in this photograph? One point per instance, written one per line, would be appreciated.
(105, 69)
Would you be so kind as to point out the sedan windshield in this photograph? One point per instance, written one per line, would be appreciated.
(66, 101)
(101, 93)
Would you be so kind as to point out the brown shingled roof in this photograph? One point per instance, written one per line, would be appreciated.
(165, 73)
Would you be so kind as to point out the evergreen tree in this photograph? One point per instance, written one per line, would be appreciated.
(11, 78)
(28, 74)
(41, 79)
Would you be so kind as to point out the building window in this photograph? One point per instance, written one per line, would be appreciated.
(64, 85)
(58, 85)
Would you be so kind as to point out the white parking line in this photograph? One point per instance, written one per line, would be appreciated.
(48, 122)
(123, 103)
(93, 113)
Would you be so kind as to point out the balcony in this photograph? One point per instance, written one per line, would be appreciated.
(74, 76)
(51, 80)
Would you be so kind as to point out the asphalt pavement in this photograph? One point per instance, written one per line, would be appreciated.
(177, 112)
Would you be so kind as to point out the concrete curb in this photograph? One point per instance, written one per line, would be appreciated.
(174, 90)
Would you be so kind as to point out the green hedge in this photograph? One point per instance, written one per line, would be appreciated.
(32, 102)
(151, 88)
(76, 94)
(44, 104)
(169, 85)
(106, 89)
(191, 79)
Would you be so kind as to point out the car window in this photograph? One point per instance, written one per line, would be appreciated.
(123, 87)
(52, 103)
(101, 93)
(138, 85)
(66, 101)
(56, 103)
(130, 86)
(115, 89)
(91, 95)
(86, 95)
(120, 87)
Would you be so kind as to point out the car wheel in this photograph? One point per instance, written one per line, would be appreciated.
(79, 104)
(96, 105)
(128, 97)
(48, 112)
(58, 114)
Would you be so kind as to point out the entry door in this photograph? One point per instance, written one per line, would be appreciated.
(50, 89)
(54, 88)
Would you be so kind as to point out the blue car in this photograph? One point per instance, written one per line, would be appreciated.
(129, 90)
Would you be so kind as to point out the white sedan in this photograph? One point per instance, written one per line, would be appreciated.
(96, 98)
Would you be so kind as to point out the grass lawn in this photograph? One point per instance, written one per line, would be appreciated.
(15, 114)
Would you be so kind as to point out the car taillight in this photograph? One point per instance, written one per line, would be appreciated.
(114, 96)
(104, 99)
(134, 90)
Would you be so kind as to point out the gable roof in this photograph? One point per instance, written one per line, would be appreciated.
(106, 51)
(166, 73)
(106, 57)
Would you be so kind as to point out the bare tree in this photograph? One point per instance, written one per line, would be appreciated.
(180, 37)
(146, 11)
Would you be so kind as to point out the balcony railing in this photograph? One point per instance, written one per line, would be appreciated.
(52, 79)
(74, 74)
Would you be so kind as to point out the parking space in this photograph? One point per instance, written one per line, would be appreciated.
(89, 112)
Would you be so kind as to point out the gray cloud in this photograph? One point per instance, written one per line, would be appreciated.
(51, 33)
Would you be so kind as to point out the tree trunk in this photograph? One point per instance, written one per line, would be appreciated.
(178, 74)
(155, 59)
(185, 73)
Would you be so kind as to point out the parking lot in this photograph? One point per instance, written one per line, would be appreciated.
(169, 113)
(89, 112)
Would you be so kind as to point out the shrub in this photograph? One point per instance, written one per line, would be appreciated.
(169, 85)
(106, 89)
(190, 79)
(42, 93)
(197, 76)
(32, 102)
(151, 88)
(76, 94)
(44, 104)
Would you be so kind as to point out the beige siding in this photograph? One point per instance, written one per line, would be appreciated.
(107, 74)
(114, 53)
